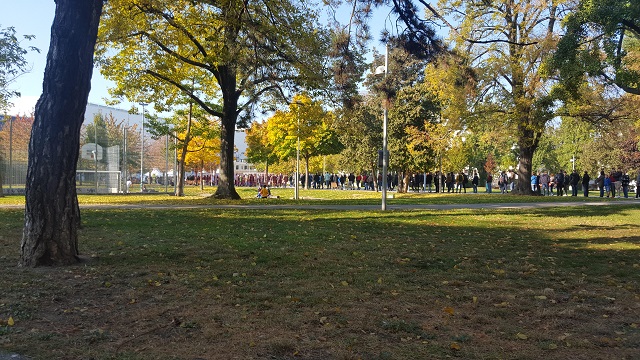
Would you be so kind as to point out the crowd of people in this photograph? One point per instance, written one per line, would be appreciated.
(615, 184)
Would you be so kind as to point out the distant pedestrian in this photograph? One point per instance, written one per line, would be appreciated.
(503, 182)
(574, 180)
(624, 183)
(600, 183)
(585, 184)
(607, 185)
(475, 182)
(560, 182)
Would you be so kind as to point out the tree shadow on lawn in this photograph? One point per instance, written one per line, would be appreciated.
(223, 284)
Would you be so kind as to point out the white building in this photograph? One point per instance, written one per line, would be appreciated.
(241, 165)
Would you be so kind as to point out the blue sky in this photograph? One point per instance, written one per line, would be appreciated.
(34, 17)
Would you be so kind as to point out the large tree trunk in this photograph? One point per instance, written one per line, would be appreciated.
(528, 143)
(52, 215)
(227, 80)
(183, 153)
(306, 173)
(1, 190)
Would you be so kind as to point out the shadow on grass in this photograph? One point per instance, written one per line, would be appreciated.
(345, 284)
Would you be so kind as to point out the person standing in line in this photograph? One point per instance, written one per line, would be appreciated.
(503, 182)
(560, 182)
(617, 175)
(638, 184)
(607, 185)
(585, 184)
(429, 180)
(458, 180)
(574, 180)
(475, 181)
(612, 186)
(534, 182)
(600, 183)
(544, 182)
(489, 183)
(624, 182)
(465, 181)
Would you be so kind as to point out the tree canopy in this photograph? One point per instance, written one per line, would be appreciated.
(12, 63)
(225, 56)
(602, 40)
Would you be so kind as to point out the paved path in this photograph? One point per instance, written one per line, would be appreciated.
(530, 205)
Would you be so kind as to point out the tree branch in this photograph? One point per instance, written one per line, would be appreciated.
(187, 91)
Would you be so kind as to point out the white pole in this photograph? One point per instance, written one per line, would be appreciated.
(10, 172)
(95, 153)
(385, 159)
(142, 149)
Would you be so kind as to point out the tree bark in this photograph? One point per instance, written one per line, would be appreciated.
(227, 80)
(52, 215)
(183, 154)
(306, 173)
(1, 190)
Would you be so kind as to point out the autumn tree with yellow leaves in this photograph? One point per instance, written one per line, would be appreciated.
(307, 121)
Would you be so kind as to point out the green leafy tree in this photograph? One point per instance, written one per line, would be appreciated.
(12, 63)
(360, 130)
(193, 130)
(259, 149)
(602, 40)
(307, 121)
(237, 52)
(508, 41)
(413, 112)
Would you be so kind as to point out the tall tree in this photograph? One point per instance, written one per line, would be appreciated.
(360, 132)
(12, 63)
(186, 125)
(238, 51)
(507, 41)
(52, 215)
(307, 122)
(259, 149)
(602, 40)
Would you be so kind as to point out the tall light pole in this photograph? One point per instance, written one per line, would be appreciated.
(10, 178)
(385, 105)
(95, 152)
(297, 179)
(142, 150)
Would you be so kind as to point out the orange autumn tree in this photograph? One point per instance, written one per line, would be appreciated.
(203, 152)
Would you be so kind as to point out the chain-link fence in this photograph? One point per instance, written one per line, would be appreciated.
(14, 145)
(114, 155)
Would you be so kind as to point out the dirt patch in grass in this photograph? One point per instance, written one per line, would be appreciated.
(284, 284)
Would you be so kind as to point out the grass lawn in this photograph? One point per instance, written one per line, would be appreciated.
(548, 283)
(195, 196)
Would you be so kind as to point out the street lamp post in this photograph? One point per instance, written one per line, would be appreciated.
(142, 150)
(385, 111)
(297, 179)
(573, 162)
(10, 178)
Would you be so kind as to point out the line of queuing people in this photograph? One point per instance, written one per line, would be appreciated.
(617, 182)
